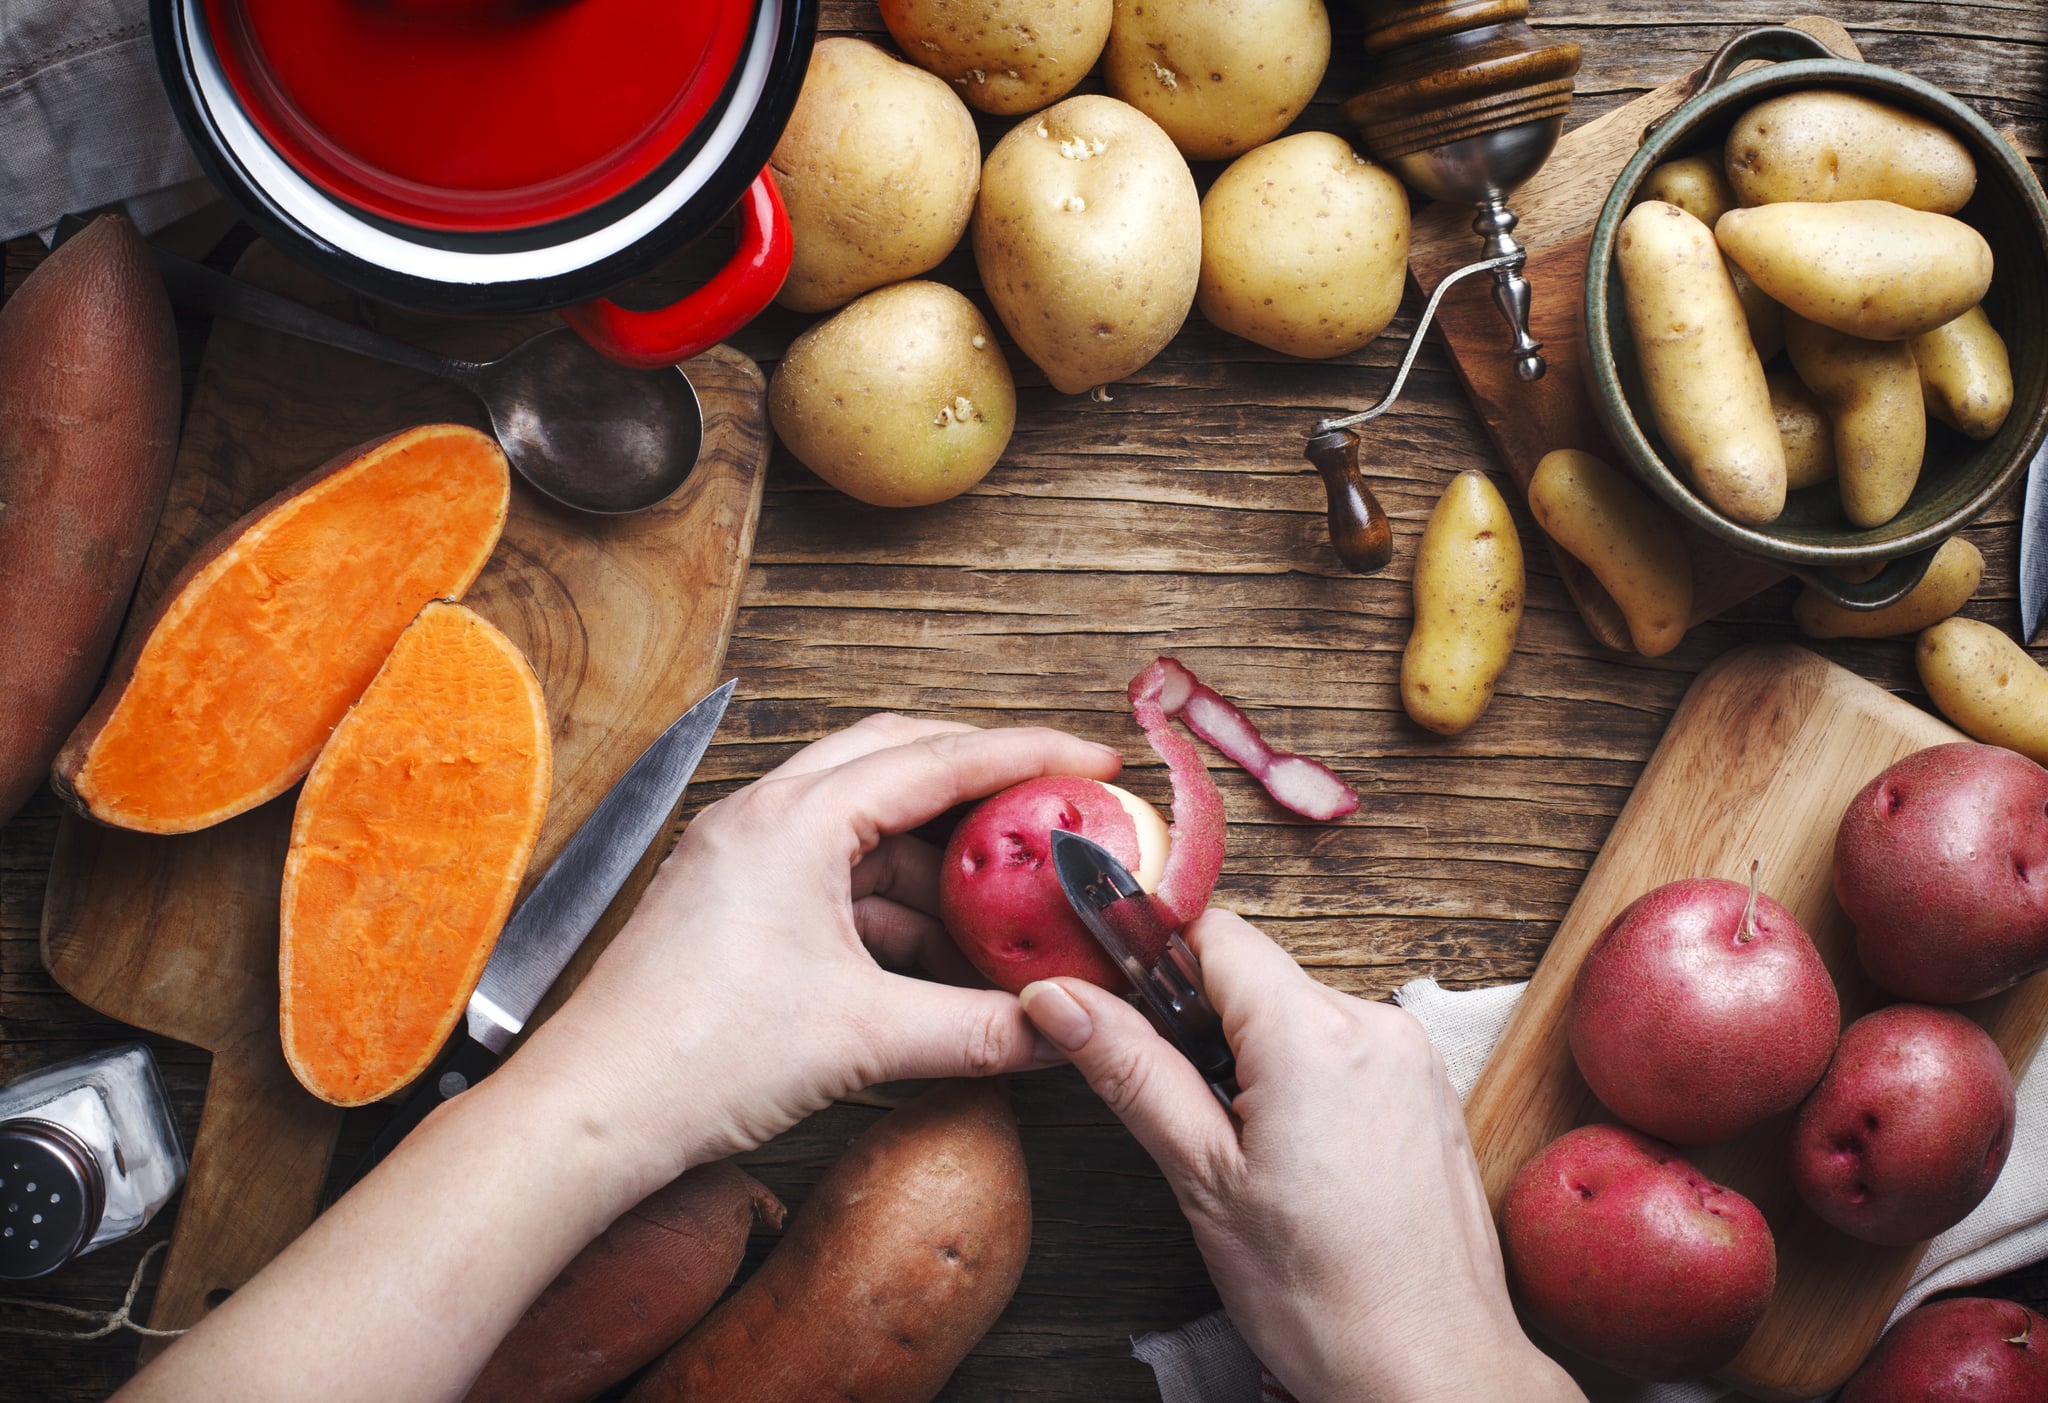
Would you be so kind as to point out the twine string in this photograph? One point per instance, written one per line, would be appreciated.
(109, 1320)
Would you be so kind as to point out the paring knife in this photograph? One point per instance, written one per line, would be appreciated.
(1129, 925)
(2034, 546)
(552, 922)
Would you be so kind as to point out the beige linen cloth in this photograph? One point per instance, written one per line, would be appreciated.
(1206, 1361)
(84, 122)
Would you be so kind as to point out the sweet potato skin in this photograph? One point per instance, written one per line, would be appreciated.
(88, 433)
(632, 1292)
(898, 1262)
(369, 640)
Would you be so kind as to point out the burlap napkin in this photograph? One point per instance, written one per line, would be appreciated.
(83, 120)
(1206, 1361)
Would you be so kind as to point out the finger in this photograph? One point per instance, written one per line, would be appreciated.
(894, 934)
(1143, 1078)
(936, 1030)
(1247, 975)
(903, 869)
(895, 790)
(864, 737)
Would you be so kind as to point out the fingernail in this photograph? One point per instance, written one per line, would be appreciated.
(1057, 1015)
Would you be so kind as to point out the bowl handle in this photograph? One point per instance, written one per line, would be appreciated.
(1772, 41)
(1887, 586)
(735, 295)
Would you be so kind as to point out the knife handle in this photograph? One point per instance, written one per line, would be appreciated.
(462, 1064)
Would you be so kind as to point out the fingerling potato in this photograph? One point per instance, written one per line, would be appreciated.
(1952, 577)
(1469, 586)
(1965, 374)
(1803, 426)
(1987, 684)
(1629, 542)
(1871, 389)
(1825, 145)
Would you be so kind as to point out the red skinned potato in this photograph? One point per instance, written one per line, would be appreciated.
(898, 1262)
(1619, 1249)
(632, 1292)
(1908, 1130)
(88, 432)
(1942, 863)
(1970, 1350)
(1702, 1009)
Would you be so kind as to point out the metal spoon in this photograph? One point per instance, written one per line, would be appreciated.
(583, 430)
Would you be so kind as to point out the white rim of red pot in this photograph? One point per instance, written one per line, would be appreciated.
(324, 218)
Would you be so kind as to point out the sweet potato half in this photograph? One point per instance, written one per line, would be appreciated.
(408, 844)
(898, 1262)
(268, 635)
(88, 429)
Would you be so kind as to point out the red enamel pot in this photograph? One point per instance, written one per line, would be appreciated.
(502, 156)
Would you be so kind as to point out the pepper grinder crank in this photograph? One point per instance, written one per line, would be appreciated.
(1464, 105)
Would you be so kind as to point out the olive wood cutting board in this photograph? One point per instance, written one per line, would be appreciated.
(1558, 207)
(1760, 760)
(625, 620)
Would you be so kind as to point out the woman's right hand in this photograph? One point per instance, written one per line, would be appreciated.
(1340, 1211)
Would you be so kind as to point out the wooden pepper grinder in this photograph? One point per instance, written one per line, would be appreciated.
(1465, 103)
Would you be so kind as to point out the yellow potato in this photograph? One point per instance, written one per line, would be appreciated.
(1626, 538)
(1826, 145)
(1088, 235)
(1221, 76)
(1003, 56)
(878, 168)
(1468, 606)
(901, 399)
(1871, 390)
(1866, 268)
(1952, 577)
(1987, 684)
(1696, 184)
(1804, 428)
(1304, 246)
(1965, 374)
(1700, 369)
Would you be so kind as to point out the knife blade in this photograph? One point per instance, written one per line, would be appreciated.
(1128, 922)
(2034, 546)
(560, 911)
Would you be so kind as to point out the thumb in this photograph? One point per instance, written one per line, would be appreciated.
(1143, 1078)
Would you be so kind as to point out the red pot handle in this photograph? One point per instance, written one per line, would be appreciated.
(736, 294)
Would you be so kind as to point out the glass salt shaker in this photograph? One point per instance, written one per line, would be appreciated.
(88, 1154)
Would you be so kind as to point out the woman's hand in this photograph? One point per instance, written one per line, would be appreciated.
(1343, 1220)
(754, 983)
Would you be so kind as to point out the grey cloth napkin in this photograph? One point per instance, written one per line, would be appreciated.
(1203, 1362)
(84, 122)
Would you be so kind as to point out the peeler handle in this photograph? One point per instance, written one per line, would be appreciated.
(1358, 524)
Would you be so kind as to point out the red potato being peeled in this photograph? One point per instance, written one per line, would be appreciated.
(1702, 1009)
(1942, 863)
(1909, 1128)
(1970, 1350)
(1619, 1249)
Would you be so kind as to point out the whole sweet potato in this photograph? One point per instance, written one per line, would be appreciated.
(88, 430)
(901, 1258)
(632, 1292)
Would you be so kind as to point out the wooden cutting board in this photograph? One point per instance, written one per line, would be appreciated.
(625, 620)
(1558, 208)
(1765, 752)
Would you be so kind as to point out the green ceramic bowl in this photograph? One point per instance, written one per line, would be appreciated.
(1959, 478)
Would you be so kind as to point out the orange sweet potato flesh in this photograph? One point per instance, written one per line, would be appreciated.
(898, 1262)
(408, 845)
(264, 640)
(88, 430)
(632, 1292)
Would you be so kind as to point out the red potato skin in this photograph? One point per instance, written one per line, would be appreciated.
(1970, 1350)
(1942, 863)
(1692, 1033)
(998, 897)
(898, 1262)
(88, 434)
(1909, 1129)
(1621, 1250)
(632, 1292)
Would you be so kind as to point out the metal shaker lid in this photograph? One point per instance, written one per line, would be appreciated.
(51, 1197)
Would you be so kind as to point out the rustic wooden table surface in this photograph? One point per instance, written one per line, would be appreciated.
(1179, 517)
